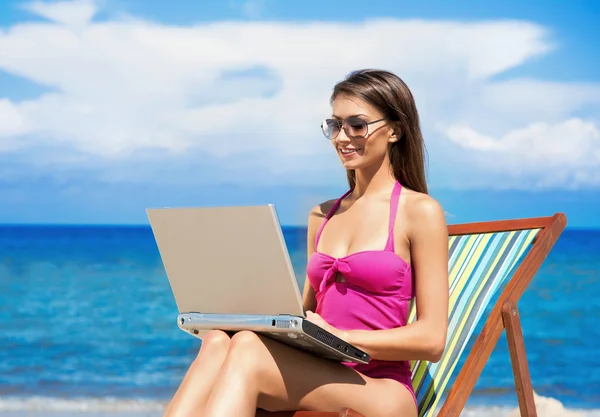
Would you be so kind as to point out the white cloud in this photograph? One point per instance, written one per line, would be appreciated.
(11, 121)
(568, 152)
(227, 89)
(75, 13)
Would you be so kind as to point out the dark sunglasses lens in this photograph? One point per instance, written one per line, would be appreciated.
(330, 128)
(357, 127)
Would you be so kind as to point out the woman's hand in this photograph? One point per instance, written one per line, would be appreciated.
(319, 321)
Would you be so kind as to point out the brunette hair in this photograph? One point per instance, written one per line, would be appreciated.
(392, 97)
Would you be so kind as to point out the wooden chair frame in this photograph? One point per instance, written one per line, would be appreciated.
(504, 315)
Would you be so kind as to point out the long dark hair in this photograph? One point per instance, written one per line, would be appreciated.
(392, 97)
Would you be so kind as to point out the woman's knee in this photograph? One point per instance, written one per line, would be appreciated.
(215, 341)
(246, 349)
(246, 341)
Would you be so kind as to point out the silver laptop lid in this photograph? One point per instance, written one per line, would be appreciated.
(226, 260)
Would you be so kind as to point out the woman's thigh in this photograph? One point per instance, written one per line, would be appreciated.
(294, 380)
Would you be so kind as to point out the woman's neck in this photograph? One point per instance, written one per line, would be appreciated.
(373, 181)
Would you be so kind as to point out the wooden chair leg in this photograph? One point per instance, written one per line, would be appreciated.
(518, 358)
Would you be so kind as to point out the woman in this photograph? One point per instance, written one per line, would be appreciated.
(370, 252)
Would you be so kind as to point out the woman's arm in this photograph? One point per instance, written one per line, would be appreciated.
(426, 337)
(315, 218)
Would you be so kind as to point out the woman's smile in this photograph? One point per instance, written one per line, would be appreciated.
(348, 152)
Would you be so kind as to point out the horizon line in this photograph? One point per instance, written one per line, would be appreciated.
(147, 225)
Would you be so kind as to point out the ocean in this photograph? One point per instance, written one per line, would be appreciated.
(87, 323)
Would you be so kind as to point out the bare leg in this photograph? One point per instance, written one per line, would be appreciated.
(259, 372)
(193, 393)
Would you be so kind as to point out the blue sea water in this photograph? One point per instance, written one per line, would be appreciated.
(88, 312)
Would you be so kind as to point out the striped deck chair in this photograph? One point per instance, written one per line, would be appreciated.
(483, 258)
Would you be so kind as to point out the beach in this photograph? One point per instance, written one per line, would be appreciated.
(88, 325)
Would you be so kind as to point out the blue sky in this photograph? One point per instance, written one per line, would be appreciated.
(110, 107)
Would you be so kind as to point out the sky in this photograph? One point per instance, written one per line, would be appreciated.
(110, 107)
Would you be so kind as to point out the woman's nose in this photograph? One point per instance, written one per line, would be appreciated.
(342, 137)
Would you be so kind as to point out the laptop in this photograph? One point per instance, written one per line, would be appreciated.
(229, 269)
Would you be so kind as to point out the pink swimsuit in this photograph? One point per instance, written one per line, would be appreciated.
(375, 294)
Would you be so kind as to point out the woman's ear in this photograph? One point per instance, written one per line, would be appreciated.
(396, 135)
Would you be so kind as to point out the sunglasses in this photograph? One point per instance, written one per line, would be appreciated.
(354, 127)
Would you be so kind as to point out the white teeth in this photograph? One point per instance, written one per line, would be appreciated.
(348, 150)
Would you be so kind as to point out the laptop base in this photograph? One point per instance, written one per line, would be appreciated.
(290, 330)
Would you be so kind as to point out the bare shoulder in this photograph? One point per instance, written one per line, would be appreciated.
(319, 212)
(424, 213)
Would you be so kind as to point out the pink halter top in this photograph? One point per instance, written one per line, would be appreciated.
(375, 295)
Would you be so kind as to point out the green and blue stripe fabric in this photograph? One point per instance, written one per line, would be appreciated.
(478, 265)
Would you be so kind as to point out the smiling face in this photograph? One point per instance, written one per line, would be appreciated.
(372, 94)
(354, 149)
